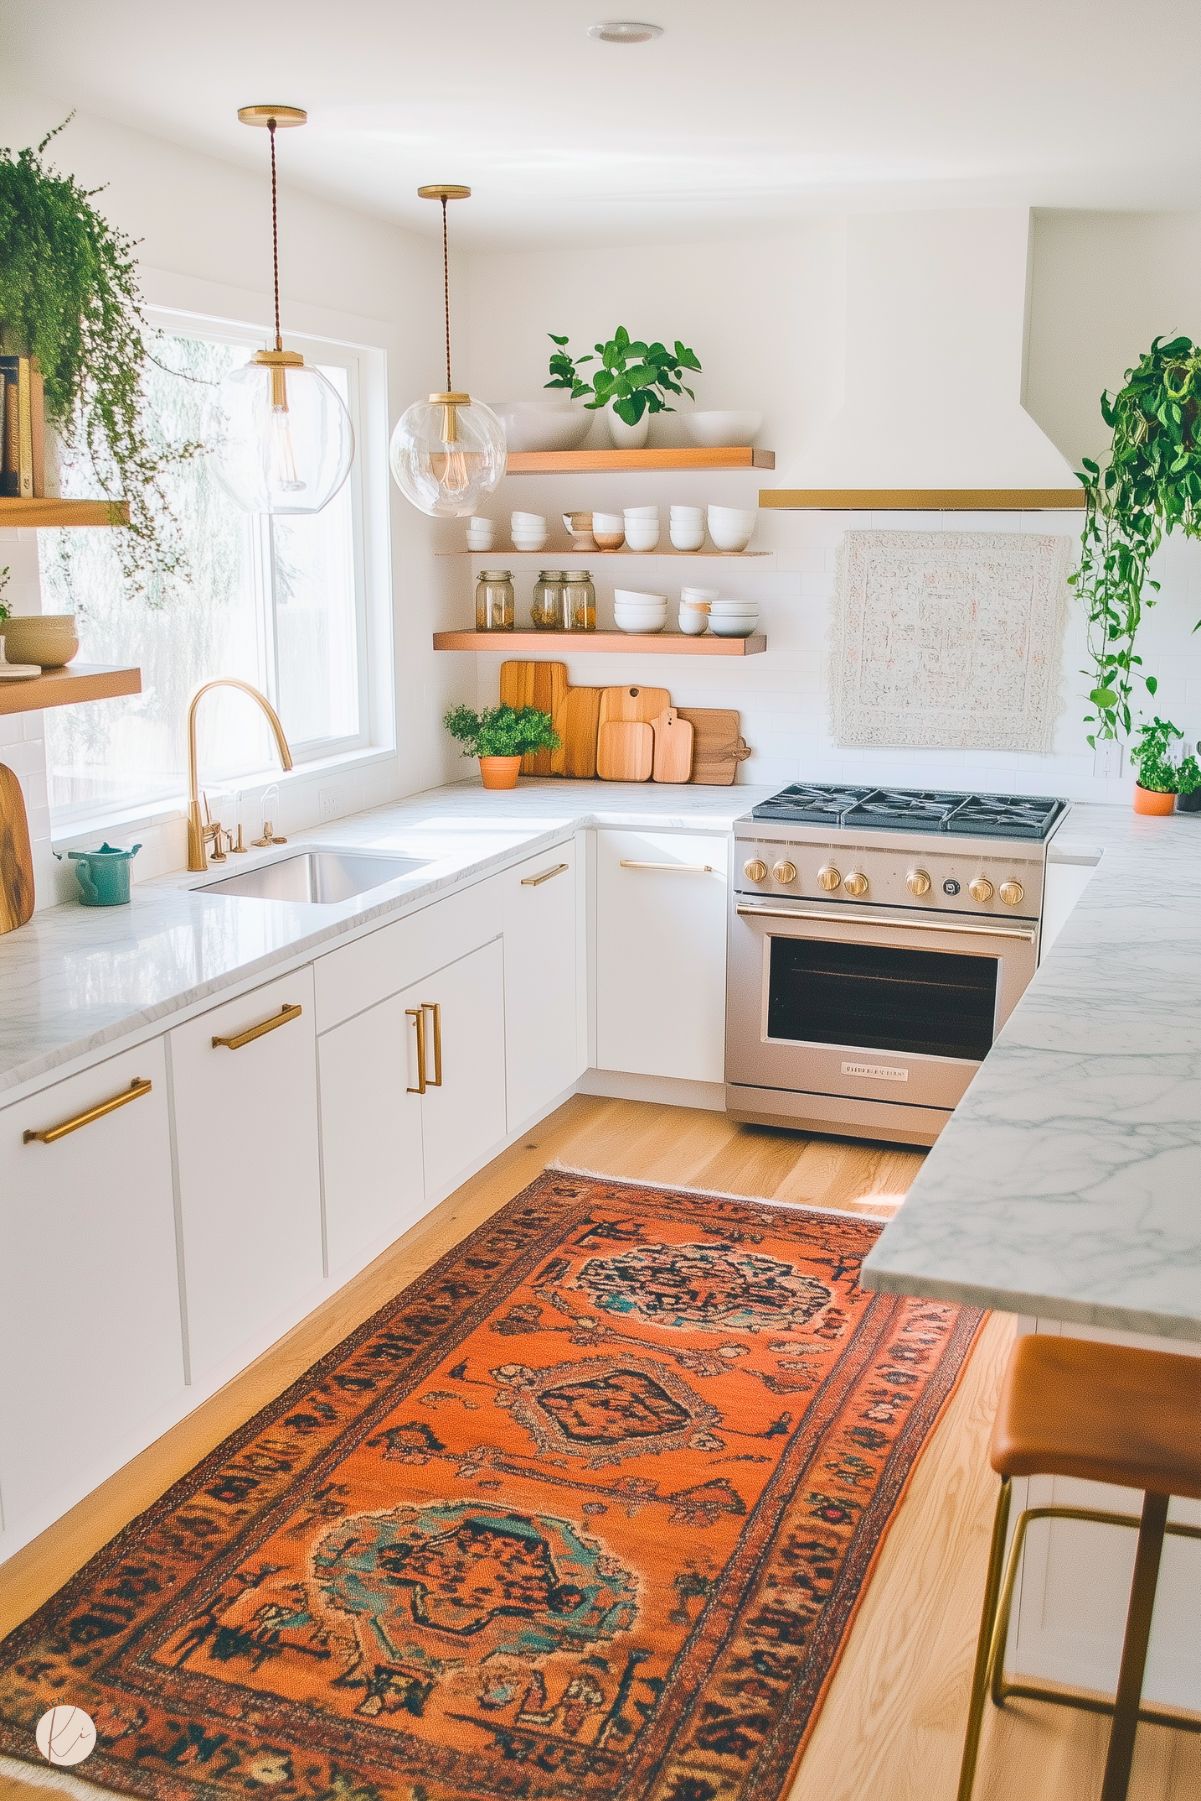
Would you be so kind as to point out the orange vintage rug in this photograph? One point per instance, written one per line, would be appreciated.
(584, 1512)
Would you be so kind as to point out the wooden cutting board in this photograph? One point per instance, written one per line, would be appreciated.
(717, 747)
(541, 685)
(640, 706)
(625, 751)
(673, 747)
(577, 723)
(16, 858)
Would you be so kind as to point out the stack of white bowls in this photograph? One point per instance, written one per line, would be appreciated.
(641, 527)
(529, 531)
(695, 604)
(686, 527)
(481, 533)
(734, 618)
(731, 527)
(609, 530)
(634, 611)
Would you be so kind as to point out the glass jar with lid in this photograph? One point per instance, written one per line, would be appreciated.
(495, 609)
(580, 592)
(548, 607)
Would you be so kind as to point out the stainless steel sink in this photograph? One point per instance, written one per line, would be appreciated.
(321, 877)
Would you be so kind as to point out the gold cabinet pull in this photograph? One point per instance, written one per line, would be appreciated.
(435, 1007)
(417, 1015)
(137, 1088)
(671, 868)
(536, 881)
(284, 1017)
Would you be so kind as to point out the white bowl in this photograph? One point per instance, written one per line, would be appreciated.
(608, 522)
(544, 424)
(722, 605)
(731, 529)
(733, 628)
(721, 427)
(686, 512)
(642, 538)
(638, 597)
(693, 622)
(705, 596)
(535, 521)
(640, 513)
(640, 615)
(538, 543)
(686, 537)
(641, 628)
(733, 515)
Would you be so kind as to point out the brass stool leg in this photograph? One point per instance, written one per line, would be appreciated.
(992, 1588)
(1134, 1647)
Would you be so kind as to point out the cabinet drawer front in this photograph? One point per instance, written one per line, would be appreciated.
(353, 978)
(90, 1336)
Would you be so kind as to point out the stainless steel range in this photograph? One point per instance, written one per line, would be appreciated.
(879, 939)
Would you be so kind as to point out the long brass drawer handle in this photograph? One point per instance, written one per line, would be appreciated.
(536, 881)
(435, 1007)
(417, 1015)
(284, 1017)
(137, 1088)
(671, 868)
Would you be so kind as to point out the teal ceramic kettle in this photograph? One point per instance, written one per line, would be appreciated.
(103, 875)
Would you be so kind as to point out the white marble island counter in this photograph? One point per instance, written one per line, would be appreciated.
(1067, 1186)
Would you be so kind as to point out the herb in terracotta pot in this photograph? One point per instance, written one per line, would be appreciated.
(500, 737)
(1157, 780)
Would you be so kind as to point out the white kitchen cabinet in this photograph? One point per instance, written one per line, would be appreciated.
(463, 1107)
(660, 947)
(371, 1156)
(545, 1048)
(244, 1081)
(91, 1346)
(1064, 884)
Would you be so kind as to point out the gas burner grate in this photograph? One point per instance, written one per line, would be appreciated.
(914, 810)
(1006, 815)
(811, 800)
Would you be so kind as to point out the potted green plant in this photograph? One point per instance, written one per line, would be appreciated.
(500, 737)
(633, 381)
(1158, 777)
(1148, 486)
(69, 296)
(1188, 786)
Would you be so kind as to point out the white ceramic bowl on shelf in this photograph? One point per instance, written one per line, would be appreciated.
(686, 537)
(642, 534)
(543, 424)
(731, 528)
(721, 427)
(640, 513)
(640, 628)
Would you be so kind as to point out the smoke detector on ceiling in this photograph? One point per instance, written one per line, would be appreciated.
(624, 31)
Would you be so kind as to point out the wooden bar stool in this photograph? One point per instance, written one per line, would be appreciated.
(1104, 1413)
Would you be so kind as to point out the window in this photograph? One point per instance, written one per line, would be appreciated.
(281, 603)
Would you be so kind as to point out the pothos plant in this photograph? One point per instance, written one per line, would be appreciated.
(1149, 485)
(69, 296)
(634, 377)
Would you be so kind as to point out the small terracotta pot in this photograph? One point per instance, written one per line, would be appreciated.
(499, 772)
(1150, 800)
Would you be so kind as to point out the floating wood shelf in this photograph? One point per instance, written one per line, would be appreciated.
(597, 462)
(586, 556)
(53, 511)
(67, 687)
(672, 644)
(922, 500)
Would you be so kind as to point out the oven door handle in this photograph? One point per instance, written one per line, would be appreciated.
(876, 919)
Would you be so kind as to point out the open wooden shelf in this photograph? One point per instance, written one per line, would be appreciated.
(564, 557)
(597, 462)
(55, 511)
(671, 644)
(922, 500)
(67, 687)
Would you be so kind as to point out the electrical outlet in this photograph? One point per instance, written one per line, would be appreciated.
(327, 805)
(1107, 759)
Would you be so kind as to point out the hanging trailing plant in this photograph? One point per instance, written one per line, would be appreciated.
(69, 296)
(1149, 486)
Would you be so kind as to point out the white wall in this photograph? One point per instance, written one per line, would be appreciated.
(205, 245)
(785, 324)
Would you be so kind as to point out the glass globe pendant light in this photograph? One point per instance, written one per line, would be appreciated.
(448, 452)
(284, 439)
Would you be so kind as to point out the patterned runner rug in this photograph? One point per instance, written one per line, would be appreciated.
(586, 1511)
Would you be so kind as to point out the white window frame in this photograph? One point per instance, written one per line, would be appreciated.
(366, 371)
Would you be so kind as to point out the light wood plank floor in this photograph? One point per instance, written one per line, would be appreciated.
(891, 1726)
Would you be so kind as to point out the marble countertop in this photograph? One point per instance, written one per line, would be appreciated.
(1068, 1182)
(78, 978)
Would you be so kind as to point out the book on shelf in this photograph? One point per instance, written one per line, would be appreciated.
(23, 429)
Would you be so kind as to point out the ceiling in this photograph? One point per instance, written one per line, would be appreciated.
(739, 114)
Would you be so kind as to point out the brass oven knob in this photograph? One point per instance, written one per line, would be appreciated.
(785, 871)
(829, 878)
(918, 882)
(980, 889)
(856, 884)
(755, 870)
(1012, 893)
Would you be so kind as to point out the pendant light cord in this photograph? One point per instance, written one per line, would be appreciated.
(446, 291)
(275, 231)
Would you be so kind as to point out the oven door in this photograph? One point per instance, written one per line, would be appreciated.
(879, 1006)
